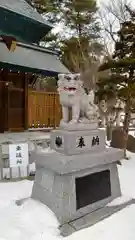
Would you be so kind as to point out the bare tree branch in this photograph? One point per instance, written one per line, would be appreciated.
(111, 15)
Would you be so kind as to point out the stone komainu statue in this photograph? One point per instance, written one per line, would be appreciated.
(73, 96)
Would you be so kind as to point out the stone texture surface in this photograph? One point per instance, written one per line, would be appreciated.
(63, 164)
(58, 191)
(79, 127)
(76, 101)
(70, 141)
(92, 218)
(58, 169)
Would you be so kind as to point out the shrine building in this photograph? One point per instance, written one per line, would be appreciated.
(21, 57)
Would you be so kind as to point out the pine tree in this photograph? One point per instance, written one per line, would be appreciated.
(51, 11)
(49, 8)
(121, 82)
(78, 42)
(82, 45)
(79, 16)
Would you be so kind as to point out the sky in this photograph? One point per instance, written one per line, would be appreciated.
(108, 41)
(105, 1)
(110, 47)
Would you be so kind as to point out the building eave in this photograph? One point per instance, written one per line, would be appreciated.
(31, 58)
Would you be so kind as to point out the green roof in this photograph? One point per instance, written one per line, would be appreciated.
(21, 21)
(30, 58)
(23, 8)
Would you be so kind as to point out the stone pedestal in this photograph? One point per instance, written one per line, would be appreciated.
(78, 142)
(78, 176)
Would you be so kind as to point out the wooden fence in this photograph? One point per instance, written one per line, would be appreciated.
(44, 109)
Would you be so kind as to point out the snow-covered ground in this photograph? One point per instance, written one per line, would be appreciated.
(34, 221)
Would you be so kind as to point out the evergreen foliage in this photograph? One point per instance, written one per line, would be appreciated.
(79, 40)
(121, 80)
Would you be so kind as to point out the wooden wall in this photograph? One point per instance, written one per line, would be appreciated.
(44, 109)
(17, 102)
(13, 101)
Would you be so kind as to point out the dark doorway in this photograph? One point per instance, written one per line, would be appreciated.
(92, 188)
(2, 106)
(16, 102)
(13, 101)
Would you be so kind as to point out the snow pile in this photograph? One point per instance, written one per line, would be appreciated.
(34, 221)
(31, 220)
(10, 192)
(119, 226)
(119, 201)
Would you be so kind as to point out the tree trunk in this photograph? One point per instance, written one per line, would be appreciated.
(126, 126)
(109, 131)
(109, 127)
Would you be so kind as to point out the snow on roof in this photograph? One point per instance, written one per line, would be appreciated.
(23, 8)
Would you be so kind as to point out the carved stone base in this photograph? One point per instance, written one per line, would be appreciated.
(79, 175)
(75, 142)
(64, 192)
(78, 126)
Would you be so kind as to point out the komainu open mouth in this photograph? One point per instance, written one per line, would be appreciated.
(69, 89)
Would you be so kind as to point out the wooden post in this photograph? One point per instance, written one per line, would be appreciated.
(26, 102)
(6, 100)
(3, 109)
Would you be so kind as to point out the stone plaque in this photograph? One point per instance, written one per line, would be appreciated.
(92, 188)
(87, 141)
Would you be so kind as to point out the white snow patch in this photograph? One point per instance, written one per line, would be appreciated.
(47, 150)
(31, 220)
(119, 201)
(34, 221)
(11, 191)
(120, 225)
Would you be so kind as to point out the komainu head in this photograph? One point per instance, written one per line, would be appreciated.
(69, 83)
